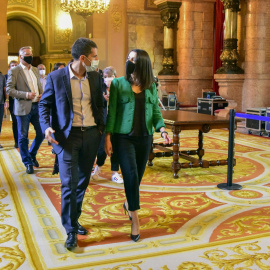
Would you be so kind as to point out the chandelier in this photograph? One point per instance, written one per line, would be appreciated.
(85, 7)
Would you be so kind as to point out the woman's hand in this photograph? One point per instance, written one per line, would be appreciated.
(108, 145)
(167, 139)
(165, 136)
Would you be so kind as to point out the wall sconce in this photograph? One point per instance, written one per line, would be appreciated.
(65, 25)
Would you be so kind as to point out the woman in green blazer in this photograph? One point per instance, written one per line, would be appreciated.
(133, 113)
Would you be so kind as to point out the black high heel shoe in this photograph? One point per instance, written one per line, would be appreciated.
(135, 238)
(126, 212)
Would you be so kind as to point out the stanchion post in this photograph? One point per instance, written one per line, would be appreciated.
(229, 185)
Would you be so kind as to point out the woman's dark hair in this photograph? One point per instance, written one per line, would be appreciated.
(143, 73)
(57, 65)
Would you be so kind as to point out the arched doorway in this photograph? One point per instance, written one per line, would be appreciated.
(23, 34)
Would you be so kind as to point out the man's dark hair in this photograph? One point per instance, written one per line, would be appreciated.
(143, 73)
(82, 46)
(57, 65)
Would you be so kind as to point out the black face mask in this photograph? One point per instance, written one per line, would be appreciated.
(130, 67)
(28, 59)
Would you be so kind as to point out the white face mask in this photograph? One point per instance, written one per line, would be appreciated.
(108, 81)
(93, 67)
(94, 64)
(42, 72)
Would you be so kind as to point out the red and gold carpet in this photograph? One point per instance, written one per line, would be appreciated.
(186, 223)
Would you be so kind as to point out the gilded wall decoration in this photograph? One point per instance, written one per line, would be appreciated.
(62, 25)
(29, 3)
(61, 36)
(29, 8)
(150, 5)
(116, 17)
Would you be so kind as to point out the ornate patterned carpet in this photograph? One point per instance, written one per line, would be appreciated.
(186, 223)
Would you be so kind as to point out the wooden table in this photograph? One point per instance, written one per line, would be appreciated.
(184, 120)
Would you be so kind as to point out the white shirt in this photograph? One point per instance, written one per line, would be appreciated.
(81, 99)
(43, 81)
(32, 81)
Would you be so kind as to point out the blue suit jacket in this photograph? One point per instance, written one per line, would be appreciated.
(56, 101)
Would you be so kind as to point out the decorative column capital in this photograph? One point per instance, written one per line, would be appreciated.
(229, 58)
(169, 12)
(233, 5)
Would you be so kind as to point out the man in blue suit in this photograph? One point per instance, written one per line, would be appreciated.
(73, 96)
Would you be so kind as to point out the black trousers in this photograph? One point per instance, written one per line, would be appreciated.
(75, 165)
(14, 120)
(101, 155)
(132, 152)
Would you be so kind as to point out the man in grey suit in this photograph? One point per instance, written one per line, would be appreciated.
(24, 85)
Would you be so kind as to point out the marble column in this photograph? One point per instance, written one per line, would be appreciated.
(230, 56)
(4, 37)
(257, 55)
(231, 88)
(195, 49)
(169, 11)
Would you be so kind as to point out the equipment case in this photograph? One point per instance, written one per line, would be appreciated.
(267, 124)
(208, 106)
(257, 125)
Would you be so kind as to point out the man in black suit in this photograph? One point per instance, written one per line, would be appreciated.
(73, 95)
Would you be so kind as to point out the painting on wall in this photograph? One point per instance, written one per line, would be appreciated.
(149, 5)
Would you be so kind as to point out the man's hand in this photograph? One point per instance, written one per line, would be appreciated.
(39, 97)
(6, 105)
(31, 95)
(106, 97)
(48, 136)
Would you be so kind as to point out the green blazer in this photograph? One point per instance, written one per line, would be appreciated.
(122, 105)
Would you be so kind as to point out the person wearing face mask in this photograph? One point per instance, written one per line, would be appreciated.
(24, 85)
(73, 97)
(109, 73)
(42, 73)
(133, 112)
(13, 64)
